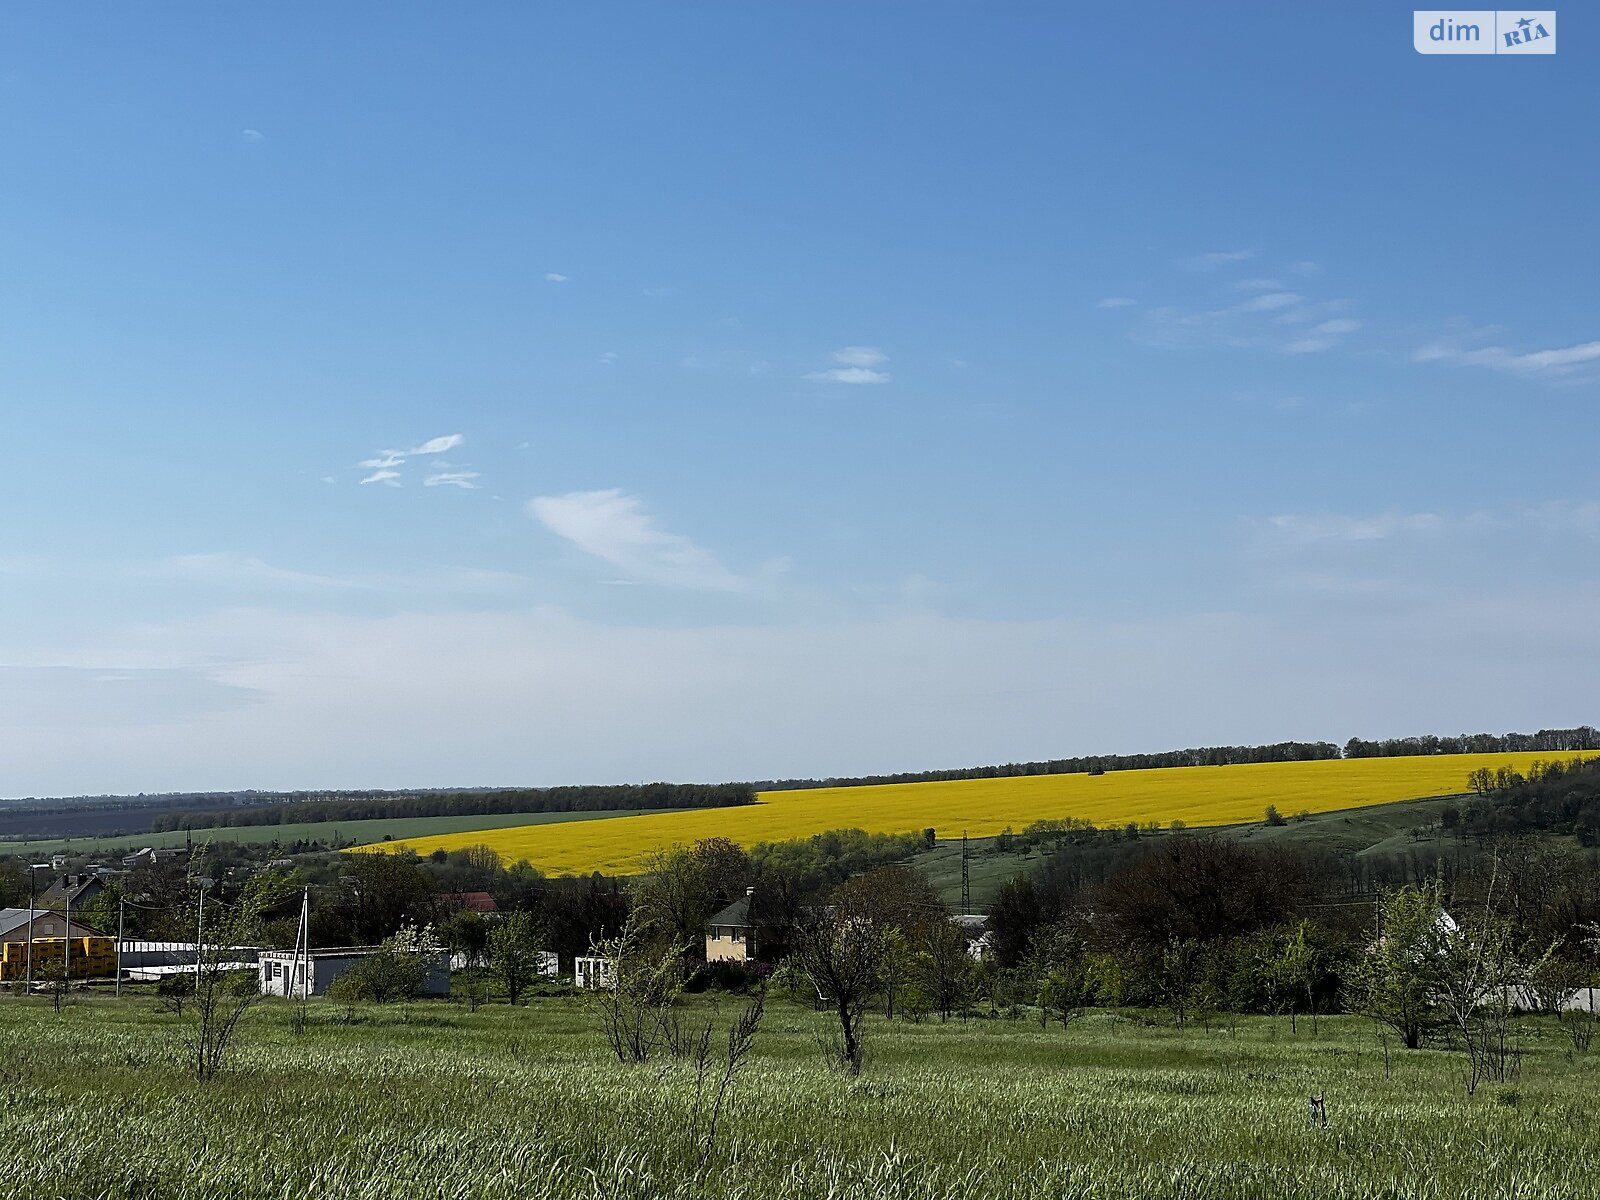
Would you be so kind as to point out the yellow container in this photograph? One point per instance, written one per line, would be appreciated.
(92, 958)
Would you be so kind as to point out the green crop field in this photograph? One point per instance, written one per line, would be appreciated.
(1406, 826)
(348, 832)
(432, 1101)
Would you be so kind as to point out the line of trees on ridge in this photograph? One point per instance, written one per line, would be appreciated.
(1584, 737)
(581, 798)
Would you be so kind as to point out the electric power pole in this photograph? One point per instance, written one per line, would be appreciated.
(300, 969)
(33, 903)
(966, 880)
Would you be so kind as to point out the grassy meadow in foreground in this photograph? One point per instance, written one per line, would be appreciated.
(528, 1104)
(1197, 796)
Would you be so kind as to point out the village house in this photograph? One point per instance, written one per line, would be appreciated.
(149, 857)
(75, 889)
(745, 932)
(478, 902)
(46, 924)
(975, 926)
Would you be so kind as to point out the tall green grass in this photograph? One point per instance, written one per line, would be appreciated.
(432, 1101)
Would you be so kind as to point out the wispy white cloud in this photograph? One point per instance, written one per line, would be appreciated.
(1214, 259)
(1566, 516)
(460, 479)
(855, 364)
(852, 375)
(1561, 517)
(393, 458)
(1324, 336)
(1550, 363)
(252, 137)
(383, 465)
(1269, 302)
(48, 699)
(1340, 325)
(1341, 527)
(241, 570)
(556, 277)
(614, 527)
(438, 445)
(860, 356)
(1116, 302)
(1256, 313)
(248, 573)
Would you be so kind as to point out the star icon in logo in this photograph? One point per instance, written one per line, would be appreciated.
(1524, 23)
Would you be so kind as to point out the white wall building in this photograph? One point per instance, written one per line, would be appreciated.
(546, 962)
(594, 972)
(284, 972)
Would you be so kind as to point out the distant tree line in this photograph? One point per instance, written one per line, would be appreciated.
(1549, 741)
(245, 797)
(440, 804)
(1584, 737)
(1096, 764)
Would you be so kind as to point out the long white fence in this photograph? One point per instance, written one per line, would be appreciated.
(140, 953)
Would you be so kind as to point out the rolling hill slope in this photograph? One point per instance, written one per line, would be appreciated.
(1198, 796)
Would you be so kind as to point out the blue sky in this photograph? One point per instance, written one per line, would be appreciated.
(422, 395)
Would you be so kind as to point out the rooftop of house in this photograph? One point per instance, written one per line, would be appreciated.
(150, 854)
(480, 902)
(328, 952)
(739, 913)
(73, 887)
(14, 919)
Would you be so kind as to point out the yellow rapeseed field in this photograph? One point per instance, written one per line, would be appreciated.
(983, 807)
